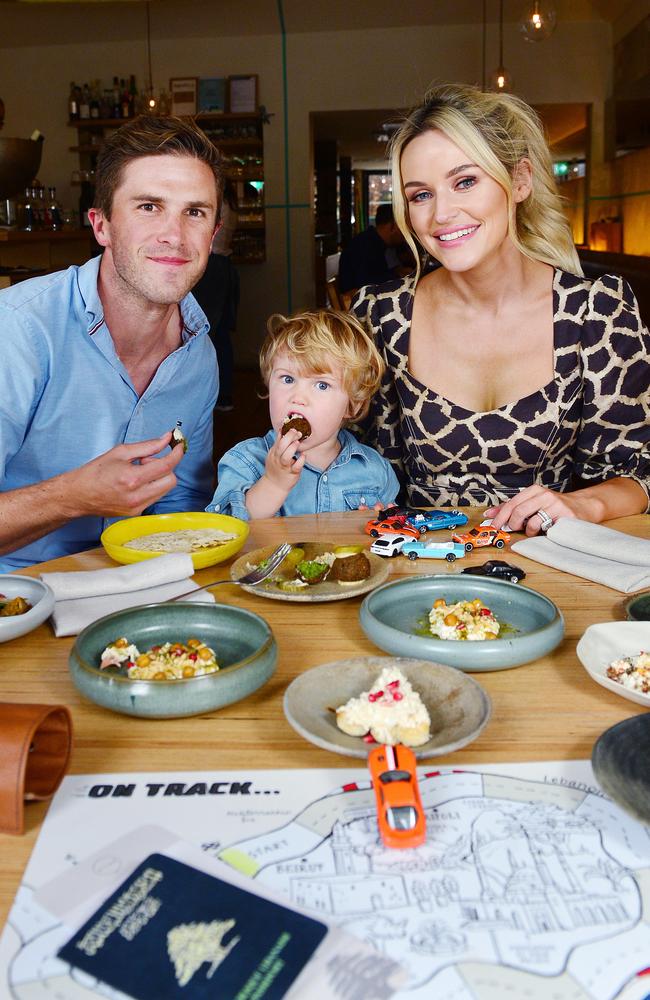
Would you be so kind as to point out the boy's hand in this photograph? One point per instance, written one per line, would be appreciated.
(282, 468)
(281, 473)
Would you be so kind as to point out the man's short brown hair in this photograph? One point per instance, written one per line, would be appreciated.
(149, 135)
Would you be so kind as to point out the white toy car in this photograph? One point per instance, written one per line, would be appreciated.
(388, 545)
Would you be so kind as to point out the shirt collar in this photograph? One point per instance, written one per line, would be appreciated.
(194, 319)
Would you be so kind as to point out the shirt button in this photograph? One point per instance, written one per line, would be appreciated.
(362, 500)
(324, 479)
(218, 507)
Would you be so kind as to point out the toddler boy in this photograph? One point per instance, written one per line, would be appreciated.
(321, 370)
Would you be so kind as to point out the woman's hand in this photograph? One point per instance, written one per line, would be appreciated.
(521, 512)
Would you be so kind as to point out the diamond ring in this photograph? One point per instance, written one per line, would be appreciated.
(546, 519)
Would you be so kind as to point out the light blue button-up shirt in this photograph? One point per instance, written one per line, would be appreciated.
(357, 476)
(65, 398)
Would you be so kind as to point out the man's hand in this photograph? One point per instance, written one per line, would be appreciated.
(123, 481)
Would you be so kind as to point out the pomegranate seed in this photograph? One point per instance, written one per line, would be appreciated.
(392, 685)
(369, 738)
(128, 664)
(193, 656)
(397, 696)
(375, 696)
(485, 611)
(461, 626)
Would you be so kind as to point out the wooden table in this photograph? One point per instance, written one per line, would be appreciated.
(546, 710)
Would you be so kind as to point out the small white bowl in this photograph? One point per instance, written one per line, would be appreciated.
(601, 644)
(39, 596)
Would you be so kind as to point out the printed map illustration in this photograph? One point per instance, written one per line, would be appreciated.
(531, 884)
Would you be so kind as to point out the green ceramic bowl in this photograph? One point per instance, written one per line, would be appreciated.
(638, 608)
(394, 618)
(243, 642)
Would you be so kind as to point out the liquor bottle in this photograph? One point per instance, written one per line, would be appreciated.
(84, 106)
(124, 99)
(26, 219)
(106, 104)
(133, 96)
(73, 102)
(54, 210)
(94, 99)
(117, 101)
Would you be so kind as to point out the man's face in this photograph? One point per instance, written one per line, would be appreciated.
(162, 221)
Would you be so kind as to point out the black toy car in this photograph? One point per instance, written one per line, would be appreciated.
(499, 568)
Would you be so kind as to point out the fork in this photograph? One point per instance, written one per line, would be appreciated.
(249, 579)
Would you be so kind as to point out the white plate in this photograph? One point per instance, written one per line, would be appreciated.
(39, 595)
(601, 644)
(458, 706)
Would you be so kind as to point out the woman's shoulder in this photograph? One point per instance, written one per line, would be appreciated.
(603, 297)
(393, 297)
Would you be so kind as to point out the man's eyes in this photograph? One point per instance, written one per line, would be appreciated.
(147, 206)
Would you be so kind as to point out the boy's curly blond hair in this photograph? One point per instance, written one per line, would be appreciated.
(320, 340)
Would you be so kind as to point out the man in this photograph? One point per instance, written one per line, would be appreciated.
(364, 260)
(99, 362)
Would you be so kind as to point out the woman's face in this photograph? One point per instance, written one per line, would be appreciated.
(457, 211)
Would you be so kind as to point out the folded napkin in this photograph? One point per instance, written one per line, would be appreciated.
(83, 597)
(594, 552)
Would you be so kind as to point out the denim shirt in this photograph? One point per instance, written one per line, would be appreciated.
(65, 398)
(357, 476)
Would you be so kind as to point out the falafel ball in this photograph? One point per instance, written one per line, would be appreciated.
(350, 569)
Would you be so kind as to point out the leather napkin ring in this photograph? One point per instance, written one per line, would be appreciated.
(35, 744)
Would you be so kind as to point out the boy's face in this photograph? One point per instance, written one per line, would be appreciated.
(318, 396)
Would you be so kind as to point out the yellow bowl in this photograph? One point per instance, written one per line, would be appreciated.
(114, 537)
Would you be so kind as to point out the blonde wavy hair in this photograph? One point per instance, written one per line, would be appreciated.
(317, 340)
(497, 131)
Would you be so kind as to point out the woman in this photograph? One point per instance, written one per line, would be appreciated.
(511, 380)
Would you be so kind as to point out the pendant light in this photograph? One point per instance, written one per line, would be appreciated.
(150, 99)
(538, 21)
(500, 79)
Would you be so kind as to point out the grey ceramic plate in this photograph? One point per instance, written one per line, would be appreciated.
(39, 596)
(620, 762)
(393, 615)
(243, 642)
(458, 706)
(329, 590)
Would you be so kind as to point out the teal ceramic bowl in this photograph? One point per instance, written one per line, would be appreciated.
(243, 642)
(638, 608)
(394, 617)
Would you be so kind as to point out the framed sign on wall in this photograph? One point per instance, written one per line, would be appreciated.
(183, 93)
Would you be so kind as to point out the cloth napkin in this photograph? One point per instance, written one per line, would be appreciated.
(83, 597)
(594, 552)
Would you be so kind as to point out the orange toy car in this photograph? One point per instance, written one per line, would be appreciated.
(391, 526)
(480, 536)
(400, 815)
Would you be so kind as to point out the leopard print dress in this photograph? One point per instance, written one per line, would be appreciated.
(592, 422)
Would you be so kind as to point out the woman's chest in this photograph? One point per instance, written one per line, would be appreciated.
(482, 362)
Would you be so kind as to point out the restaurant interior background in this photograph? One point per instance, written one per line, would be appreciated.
(330, 77)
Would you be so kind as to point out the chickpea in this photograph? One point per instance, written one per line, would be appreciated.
(205, 653)
(143, 660)
(159, 676)
(477, 602)
(450, 620)
(121, 643)
(194, 643)
(440, 603)
(188, 671)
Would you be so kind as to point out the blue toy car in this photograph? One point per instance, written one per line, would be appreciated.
(433, 550)
(432, 520)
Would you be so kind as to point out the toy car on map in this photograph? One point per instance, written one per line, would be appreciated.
(480, 536)
(391, 526)
(433, 550)
(432, 520)
(497, 567)
(400, 815)
(388, 545)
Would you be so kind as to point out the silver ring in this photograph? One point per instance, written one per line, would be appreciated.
(546, 519)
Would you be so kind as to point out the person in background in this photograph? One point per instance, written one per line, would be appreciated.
(511, 381)
(217, 292)
(365, 260)
(99, 362)
(323, 368)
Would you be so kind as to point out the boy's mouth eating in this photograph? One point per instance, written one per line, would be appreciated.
(297, 421)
